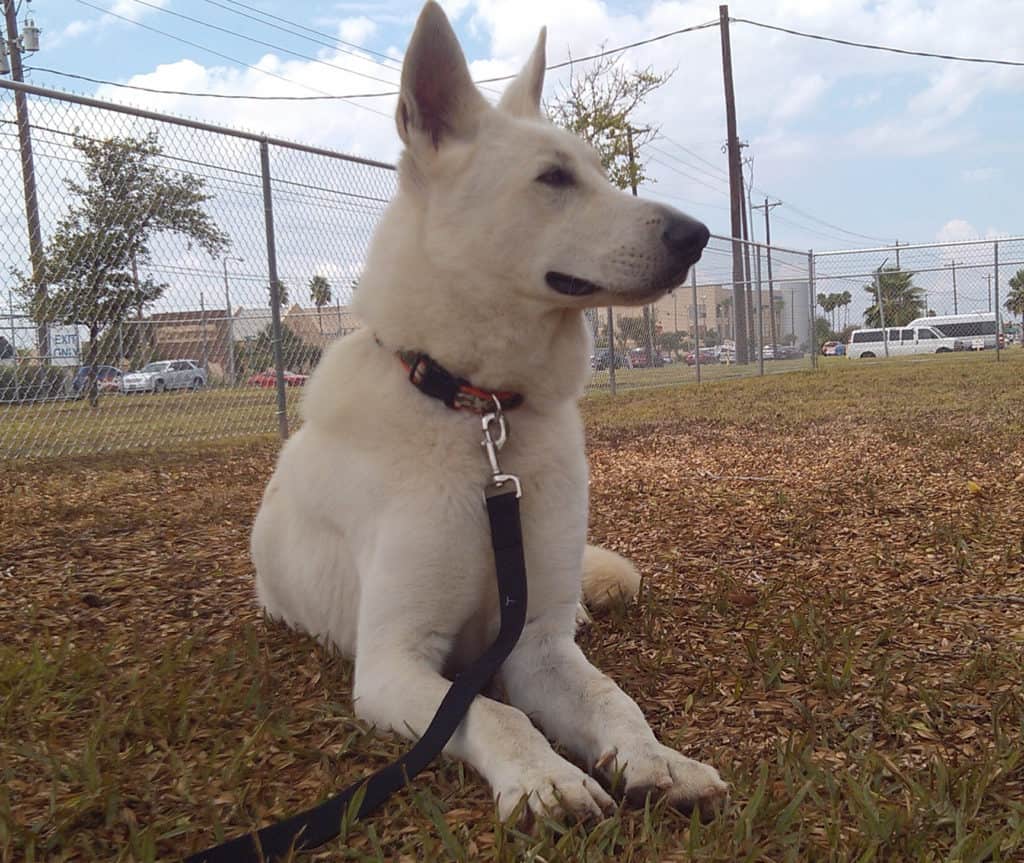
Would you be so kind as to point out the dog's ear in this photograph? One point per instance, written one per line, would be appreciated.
(522, 96)
(438, 99)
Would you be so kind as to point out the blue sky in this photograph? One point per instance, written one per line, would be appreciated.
(879, 146)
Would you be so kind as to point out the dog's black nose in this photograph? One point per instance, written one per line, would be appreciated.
(685, 237)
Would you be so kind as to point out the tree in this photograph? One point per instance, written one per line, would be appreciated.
(258, 354)
(320, 294)
(282, 294)
(597, 105)
(92, 259)
(1015, 301)
(631, 328)
(903, 301)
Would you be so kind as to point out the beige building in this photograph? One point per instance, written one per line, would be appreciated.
(673, 313)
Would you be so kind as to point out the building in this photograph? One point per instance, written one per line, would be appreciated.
(673, 313)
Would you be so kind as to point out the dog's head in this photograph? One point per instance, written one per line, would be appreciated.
(522, 201)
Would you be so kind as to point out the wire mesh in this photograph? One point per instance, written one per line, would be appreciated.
(921, 299)
(148, 322)
(695, 333)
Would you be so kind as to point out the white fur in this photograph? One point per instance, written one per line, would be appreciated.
(372, 534)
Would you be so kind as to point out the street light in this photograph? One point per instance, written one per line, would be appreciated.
(231, 318)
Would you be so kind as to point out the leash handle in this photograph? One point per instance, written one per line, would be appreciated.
(315, 826)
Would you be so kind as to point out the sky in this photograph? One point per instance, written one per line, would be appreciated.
(861, 147)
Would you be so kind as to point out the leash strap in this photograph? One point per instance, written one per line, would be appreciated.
(323, 822)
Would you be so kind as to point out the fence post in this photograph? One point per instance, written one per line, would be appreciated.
(696, 323)
(995, 296)
(812, 335)
(611, 351)
(760, 312)
(275, 293)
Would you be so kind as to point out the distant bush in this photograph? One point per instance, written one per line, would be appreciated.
(32, 383)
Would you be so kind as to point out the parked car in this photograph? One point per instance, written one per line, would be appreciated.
(638, 358)
(268, 378)
(707, 355)
(602, 360)
(165, 375)
(828, 349)
(107, 378)
(870, 343)
(789, 352)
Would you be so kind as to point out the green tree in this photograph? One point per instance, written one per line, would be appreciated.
(902, 299)
(631, 328)
(320, 294)
(1015, 301)
(282, 294)
(127, 197)
(598, 104)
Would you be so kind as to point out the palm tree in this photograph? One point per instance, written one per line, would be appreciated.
(726, 306)
(845, 298)
(320, 294)
(1015, 301)
(902, 299)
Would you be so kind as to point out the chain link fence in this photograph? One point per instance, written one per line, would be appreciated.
(178, 282)
(921, 299)
(714, 326)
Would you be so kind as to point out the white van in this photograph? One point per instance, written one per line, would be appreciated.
(975, 330)
(902, 341)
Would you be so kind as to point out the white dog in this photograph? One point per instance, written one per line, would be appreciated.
(372, 533)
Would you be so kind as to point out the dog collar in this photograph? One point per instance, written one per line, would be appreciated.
(433, 379)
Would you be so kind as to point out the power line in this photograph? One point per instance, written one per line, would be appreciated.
(256, 41)
(162, 92)
(298, 26)
(887, 48)
(326, 96)
(215, 53)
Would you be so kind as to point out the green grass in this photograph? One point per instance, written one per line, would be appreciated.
(834, 579)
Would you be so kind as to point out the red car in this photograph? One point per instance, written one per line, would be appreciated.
(268, 378)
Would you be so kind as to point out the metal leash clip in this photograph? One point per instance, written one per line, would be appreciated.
(492, 446)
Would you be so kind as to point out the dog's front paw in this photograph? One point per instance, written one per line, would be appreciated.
(651, 769)
(557, 790)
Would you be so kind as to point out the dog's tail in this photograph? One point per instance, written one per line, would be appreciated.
(608, 579)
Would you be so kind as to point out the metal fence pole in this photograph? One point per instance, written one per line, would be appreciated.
(760, 313)
(275, 293)
(696, 323)
(812, 334)
(611, 350)
(999, 317)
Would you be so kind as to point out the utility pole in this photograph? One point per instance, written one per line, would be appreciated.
(897, 254)
(767, 207)
(956, 309)
(735, 192)
(28, 173)
(989, 277)
(648, 324)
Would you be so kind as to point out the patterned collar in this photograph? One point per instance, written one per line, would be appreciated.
(427, 375)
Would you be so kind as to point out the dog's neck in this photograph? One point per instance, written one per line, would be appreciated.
(489, 334)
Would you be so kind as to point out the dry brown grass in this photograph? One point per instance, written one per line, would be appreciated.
(831, 615)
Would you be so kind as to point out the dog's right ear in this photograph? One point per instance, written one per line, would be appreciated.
(438, 99)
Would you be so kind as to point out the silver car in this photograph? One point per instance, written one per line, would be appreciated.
(165, 375)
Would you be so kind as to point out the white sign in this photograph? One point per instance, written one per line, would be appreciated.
(64, 349)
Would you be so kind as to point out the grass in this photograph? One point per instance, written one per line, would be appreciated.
(834, 579)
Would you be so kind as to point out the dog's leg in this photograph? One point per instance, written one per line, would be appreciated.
(405, 636)
(550, 679)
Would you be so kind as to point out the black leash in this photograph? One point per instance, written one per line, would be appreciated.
(315, 826)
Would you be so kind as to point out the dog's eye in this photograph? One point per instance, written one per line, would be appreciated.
(557, 177)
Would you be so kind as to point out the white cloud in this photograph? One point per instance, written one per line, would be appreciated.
(357, 30)
(977, 175)
(956, 230)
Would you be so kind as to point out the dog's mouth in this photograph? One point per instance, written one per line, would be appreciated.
(571, 286)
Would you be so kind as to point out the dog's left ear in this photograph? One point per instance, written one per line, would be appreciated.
(522, 96)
